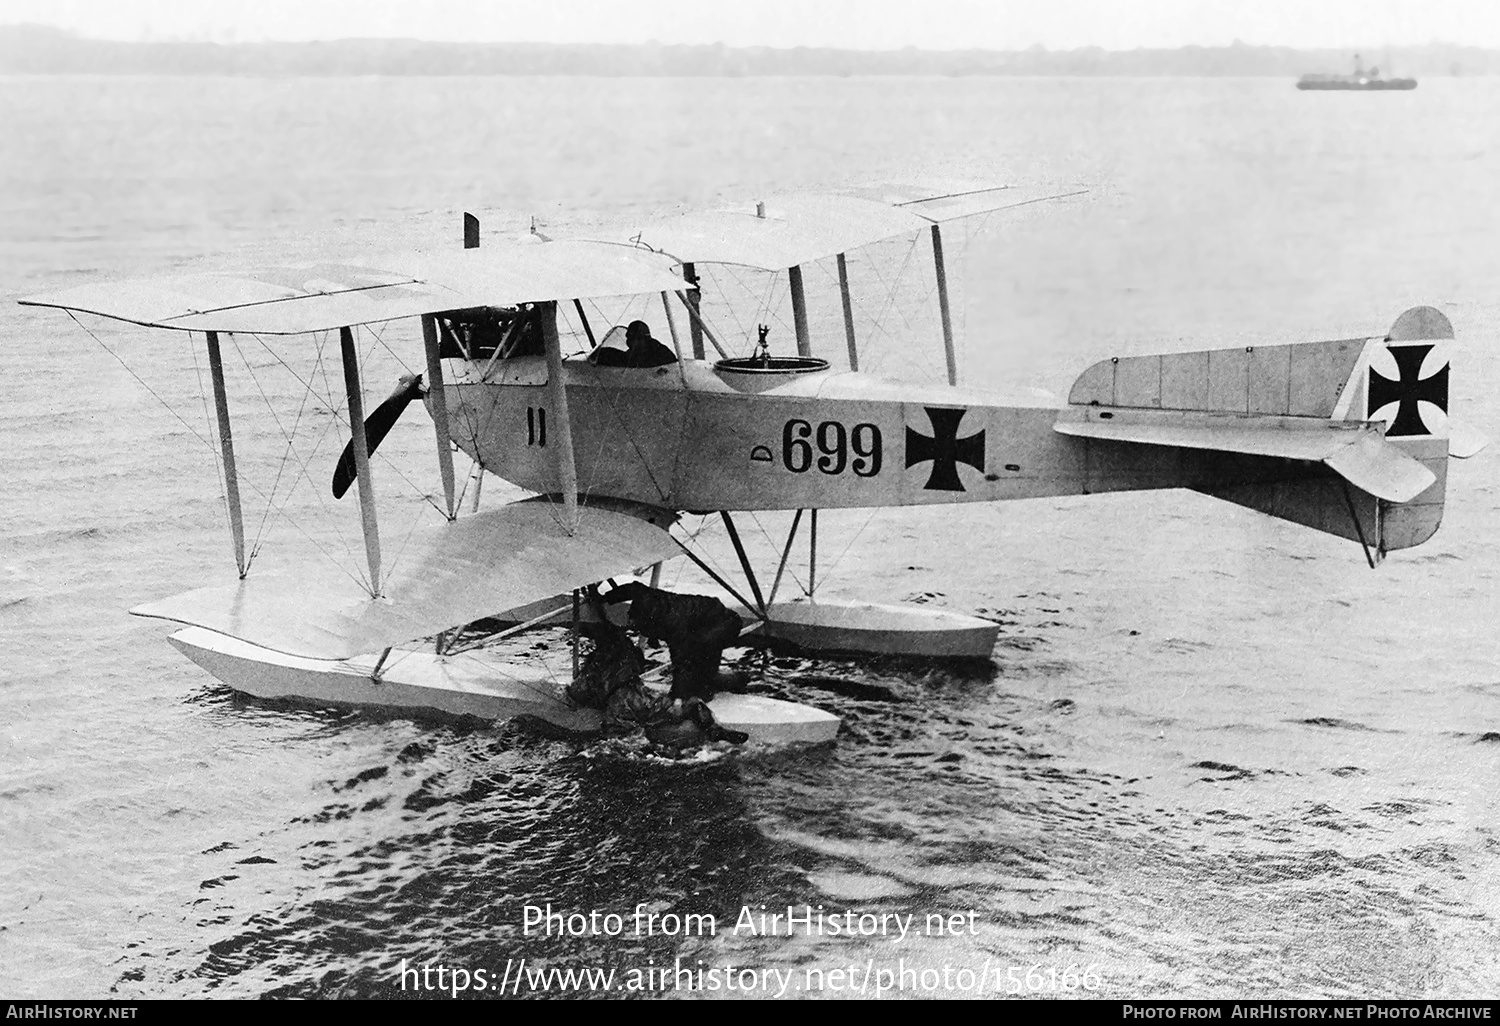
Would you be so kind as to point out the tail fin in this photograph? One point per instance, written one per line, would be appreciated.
(1406, 387)
(1349, 437)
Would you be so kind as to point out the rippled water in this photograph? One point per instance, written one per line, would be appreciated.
(1214, 754)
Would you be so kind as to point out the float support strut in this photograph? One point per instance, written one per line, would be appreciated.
(379, 663)
(812, 555)
(575, 633)
(739, 550)
(717, 578)
(785, 553)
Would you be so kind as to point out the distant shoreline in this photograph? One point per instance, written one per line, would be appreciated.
(41, 50)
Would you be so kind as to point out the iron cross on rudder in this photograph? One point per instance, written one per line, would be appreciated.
(945, 449)
(1408, 390)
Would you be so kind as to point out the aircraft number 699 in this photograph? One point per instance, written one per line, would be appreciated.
(834, 443)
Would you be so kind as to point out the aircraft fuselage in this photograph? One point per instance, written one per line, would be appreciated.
(689, 437)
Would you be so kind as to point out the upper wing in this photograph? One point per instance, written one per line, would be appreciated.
(449, 574)
(785, 231)
(947, 199)
(782, 232)
(323, 296)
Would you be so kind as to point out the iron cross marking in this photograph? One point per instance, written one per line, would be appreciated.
(945, 449)
(1408, 390)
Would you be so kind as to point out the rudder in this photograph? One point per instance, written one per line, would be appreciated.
(1406, 386)
(1399, 381)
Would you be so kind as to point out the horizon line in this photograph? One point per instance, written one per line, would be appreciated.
(1033, 48)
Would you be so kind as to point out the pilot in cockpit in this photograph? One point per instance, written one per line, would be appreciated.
(641, 350)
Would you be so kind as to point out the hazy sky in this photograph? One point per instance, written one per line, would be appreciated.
(855, 24)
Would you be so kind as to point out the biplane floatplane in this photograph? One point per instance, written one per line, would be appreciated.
(1349, 437)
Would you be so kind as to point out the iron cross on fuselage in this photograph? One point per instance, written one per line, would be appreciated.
(945, 449)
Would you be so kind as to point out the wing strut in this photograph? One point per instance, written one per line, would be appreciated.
(690, 275)
(361, 458)
(697, 319)
(799, 311)
(226, 445)
(567, 473)
(439, 410)
(848, 313)
(584, 319)
(666, 305)
(942, 286)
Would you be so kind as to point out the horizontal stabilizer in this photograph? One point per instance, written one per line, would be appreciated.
(1381, 469)
(1464, 441)
(448, 574)
(1357, 453)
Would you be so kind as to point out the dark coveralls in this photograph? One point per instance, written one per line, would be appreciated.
(610, 680)
(696, 628)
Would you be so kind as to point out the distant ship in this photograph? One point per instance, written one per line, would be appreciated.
(1361, 79)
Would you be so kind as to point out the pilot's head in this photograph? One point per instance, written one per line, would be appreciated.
(637, 332)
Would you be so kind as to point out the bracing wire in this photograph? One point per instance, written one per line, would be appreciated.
(469, 477)
(148, 388)
(288, 437)
(395, 560)
(834, 563)
(271, 506)
(394, 355)
(303, 464)
(762, 528)
(304, 474)
(630, 437)
(207, 417)
(704, 523)
(724, 302)
(891, 287)
(386, 461)
(248, 483)
(490, 666)
(218, 470)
